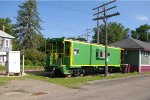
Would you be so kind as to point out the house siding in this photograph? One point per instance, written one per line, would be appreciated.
(135, 56)
(145, 57)
(5, 46)
(131, 57)
(145, 61)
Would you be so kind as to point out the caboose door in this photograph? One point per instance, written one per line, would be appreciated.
(67, 53)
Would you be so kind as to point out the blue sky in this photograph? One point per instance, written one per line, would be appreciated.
(71, 18)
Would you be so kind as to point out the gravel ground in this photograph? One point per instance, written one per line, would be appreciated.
(133, 88)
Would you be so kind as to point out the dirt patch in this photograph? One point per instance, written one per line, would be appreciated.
(13, 92)
(29, 89)
(38, 93)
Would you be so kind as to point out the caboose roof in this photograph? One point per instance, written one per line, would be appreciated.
(130, 43)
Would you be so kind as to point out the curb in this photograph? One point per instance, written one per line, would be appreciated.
(115, 79)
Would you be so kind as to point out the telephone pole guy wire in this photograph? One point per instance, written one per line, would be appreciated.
(104, 18)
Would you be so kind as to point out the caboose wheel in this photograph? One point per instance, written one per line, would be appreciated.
(77, 72)
(58, 73)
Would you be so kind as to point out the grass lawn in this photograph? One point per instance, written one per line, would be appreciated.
(4, 80)
(75, 82)
(2, 67)
(32, 67)
(72, 82)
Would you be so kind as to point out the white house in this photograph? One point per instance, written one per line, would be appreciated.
(5, 46)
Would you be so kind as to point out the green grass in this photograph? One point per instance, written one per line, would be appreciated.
(75, 82)
(4, 80)
(31, 67)
(26, 67)
(72, 82)
(2, 67)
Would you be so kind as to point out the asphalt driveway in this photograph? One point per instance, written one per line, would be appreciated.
(133, 88)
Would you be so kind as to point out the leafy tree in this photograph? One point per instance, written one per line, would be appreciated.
(116, 32)
(81, 39)
(78, 38)
(28, 25)
(34, 57)
(141, 33)
(6, 22)
(41, 46)
(9, 28)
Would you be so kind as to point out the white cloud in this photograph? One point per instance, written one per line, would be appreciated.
(142, 18)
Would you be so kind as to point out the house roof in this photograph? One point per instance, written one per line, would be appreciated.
(131, 43)
(5, 35)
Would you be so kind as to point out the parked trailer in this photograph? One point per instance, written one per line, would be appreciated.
(69, 57)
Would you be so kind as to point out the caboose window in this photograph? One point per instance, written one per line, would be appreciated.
(76, 51)
(96, 54)
(102, 54)
(108, 54)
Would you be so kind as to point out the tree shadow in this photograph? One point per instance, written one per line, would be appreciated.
(38, 73)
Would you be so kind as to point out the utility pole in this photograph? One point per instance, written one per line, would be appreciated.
(104, 18)
(98, 15)
(87, 34)
(106, 42)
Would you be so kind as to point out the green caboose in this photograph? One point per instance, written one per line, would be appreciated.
(71, 57)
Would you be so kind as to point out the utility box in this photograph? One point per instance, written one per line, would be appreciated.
(13, 62)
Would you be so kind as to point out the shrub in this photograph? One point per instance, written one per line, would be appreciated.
(34, 57)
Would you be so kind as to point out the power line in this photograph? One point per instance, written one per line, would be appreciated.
(88, 31)
(71, 9)
(98, 15)
(86, 35)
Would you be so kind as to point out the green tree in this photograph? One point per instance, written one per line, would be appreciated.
(9, 28)
(116, 32)
(81, 39)
(42, 46)
(34, 57)
(141, 33)
(78, 38)
(6, 22)
(28, 25)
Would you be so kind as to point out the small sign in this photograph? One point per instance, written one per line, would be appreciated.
(2, 53)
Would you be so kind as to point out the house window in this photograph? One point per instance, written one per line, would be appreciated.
(7, 43)
(76, 51)
(146, 53)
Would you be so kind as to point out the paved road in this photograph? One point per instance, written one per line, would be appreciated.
(135, 88)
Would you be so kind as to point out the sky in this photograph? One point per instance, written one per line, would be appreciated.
(72, 18)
